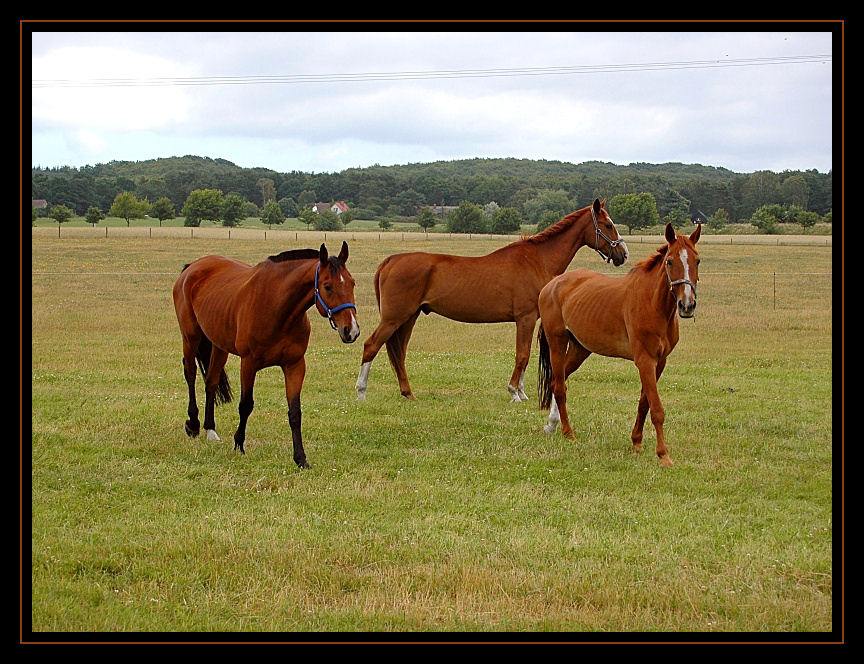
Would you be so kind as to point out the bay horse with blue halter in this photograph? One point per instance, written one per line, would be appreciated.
(499, 287)
(258, 313)
(632, 317)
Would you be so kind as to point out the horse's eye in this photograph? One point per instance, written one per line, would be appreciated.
(328, 289)
(669, 262)
(698, 260)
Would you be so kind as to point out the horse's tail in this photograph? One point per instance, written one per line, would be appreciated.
(223, 388)
(378, 286)
(544, 371)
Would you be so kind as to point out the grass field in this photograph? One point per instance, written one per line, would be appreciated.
(451, 513)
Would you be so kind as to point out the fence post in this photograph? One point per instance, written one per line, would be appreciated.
(775, 291)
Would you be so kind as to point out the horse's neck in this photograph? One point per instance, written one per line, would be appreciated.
(661, 294)
(296, 289)
(558, 251)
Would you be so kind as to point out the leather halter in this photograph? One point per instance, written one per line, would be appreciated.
(598, 234)
(330, 312)
(672, 284)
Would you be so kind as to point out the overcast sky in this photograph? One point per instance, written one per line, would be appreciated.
(759, 109)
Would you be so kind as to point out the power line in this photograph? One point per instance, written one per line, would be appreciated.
(427, 75)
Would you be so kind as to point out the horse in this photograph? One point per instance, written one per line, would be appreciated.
(631, 317)
(258, 313)
(499, 287)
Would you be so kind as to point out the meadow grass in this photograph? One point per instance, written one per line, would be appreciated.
(451, 513)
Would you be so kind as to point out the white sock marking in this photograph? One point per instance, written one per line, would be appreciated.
(363, 380)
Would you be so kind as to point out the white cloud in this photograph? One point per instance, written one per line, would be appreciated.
(115, 107)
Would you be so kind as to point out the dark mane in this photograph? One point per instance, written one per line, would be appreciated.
(652, 260)
(294, 255)
(553, 230)
(305, 254)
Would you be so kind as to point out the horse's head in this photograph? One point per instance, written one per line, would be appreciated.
(682, 268)
(604, 235)
(334, 293)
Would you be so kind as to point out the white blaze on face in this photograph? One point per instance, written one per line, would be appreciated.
(688, 291)
(355, 328)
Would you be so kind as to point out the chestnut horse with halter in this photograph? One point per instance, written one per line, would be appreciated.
(258, 313)
(633, 317)
(499, 287)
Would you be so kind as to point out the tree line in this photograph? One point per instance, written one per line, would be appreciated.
(536, 189)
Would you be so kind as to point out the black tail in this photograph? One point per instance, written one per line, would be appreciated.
(223, 389)
(544, 371)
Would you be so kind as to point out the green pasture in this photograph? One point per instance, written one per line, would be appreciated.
(451, 513)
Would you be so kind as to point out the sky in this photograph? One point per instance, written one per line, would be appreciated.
(340, 98)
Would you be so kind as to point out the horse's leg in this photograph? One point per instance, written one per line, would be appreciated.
(386, 329)
(294, 375)
(557, 357)
(648, 372)
(218, 358)
(642, 412)
(371, 346)
(524, 334)
(190, 345)
(576, 354)
(397, 348)
(248, 369)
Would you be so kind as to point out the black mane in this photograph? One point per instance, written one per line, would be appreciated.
(305, 254)
(294, 255)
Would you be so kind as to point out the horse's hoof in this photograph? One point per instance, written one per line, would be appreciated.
(409, 395)
(549, 429)
(212, 436)
(361, 396)
(190, 431)
(303, 465)
(523, 396)
(666, 462)
(637, 447)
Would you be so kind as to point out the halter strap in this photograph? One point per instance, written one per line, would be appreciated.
(330, 312)
(672, 284)
(598, 234)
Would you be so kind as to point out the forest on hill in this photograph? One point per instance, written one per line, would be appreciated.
(402, 189)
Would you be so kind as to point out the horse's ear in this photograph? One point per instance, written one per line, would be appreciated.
(322, 254)
(597, 205)
(694, 236)
(670, 233)
(603, 202)
(343, 253)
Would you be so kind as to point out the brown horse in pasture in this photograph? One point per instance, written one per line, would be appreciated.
(499, 287)
(258, 313)
(633, 317)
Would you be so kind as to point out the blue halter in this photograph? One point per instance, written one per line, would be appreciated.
(330, 312)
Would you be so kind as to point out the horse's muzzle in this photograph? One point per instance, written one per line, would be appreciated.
(349, 333)
(346, 335)
(686, 310)
(620, 254)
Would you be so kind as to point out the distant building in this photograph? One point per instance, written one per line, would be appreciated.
(698, 217)
(40, 203)
(338, 207)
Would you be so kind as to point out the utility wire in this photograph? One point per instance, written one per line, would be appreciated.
(425, 75)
